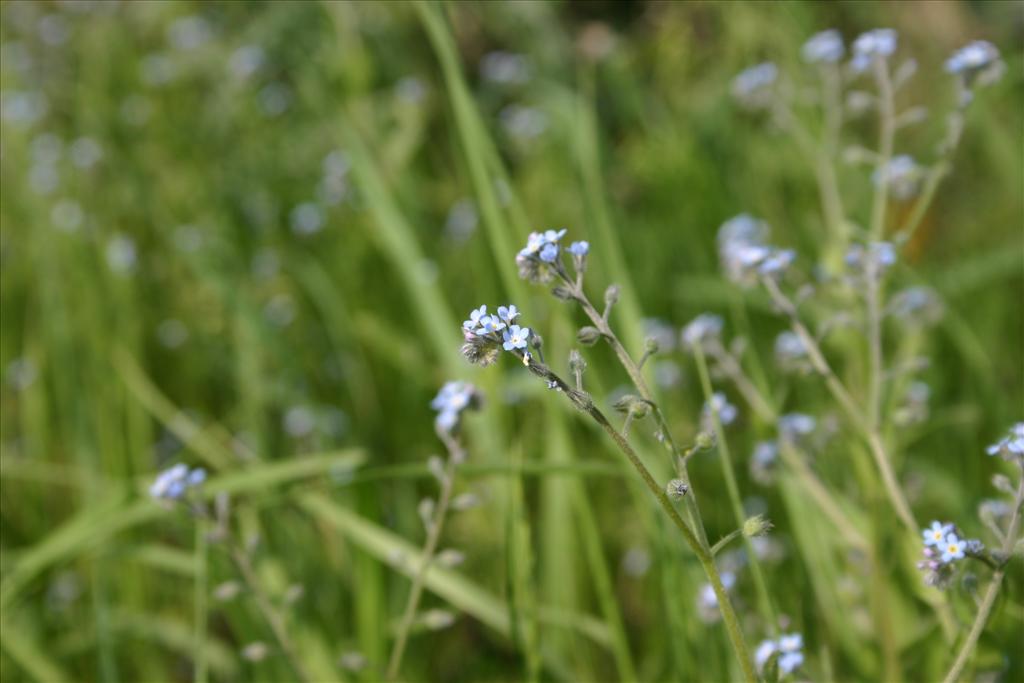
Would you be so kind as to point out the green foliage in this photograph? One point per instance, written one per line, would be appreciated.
(178, 298)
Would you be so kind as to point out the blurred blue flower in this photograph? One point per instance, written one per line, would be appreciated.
(952, 548)
(580, 249)
(825, 47)
(508, 313)
(936, 533)
(172, 483)
(753, 87)
(1011, 445)
(474, 319)
(877, 43)
(549, 253)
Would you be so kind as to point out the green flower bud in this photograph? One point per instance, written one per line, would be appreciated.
(588, 336)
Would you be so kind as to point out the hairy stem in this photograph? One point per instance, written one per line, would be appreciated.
(985, 608)
(701, 550)
(725, 457)
(455, 454)
(270, 613)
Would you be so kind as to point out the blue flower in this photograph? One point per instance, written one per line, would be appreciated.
(872, 259)
(776, 262)
(789, 648)
(975, 58)
(795, 425)
(508, 313)
(1011, 445)
(753, 87)
(878, 43)
(452, 399)
(579, 249)
(936, 533)
(825, 47)
(952, 548)
(553, 236)
(175, 481)
(901, 174)
(720, 405)
(533, 244)
(516, 337)
(474, 319)
(549, 253)
(705, 328)
(489, 324)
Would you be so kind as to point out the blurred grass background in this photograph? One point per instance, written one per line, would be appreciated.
(243, 235)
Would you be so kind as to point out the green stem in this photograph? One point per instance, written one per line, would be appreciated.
(725, 457)
(583, 402)
(201, 591)
(985, 608)
(455, 454)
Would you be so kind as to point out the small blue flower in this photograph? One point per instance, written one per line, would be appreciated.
(776, 262)
(549, 253)
(452, 399)
(508, 313)
(705, 328)
(490, 324)
(1011, 445)
(825, 47)
(516, 337)
(720, 405)
(878, 43)
(553, 236)
(795, 425)
(174, 482)
(952, 548)
(579, 249)
(474, 319)
(754, 86)
(790, 649)
(936, 533)
(974, 58)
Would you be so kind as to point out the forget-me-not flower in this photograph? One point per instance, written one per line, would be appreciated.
(508, 313)
(878, 43)
(579, 249)
(549, 252)
(977, 62)
(825, 47)
(936, 533)
(952, 548)
(516, 337)
(703, 329)
(474, 319)
(175, 481)
(754, 87)
(1011, 445)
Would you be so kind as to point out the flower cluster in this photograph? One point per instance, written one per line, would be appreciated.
(539, 260)
(825, 47)
(1011, 446)
(942, 547)
(916, 306)
(173, 483)
(452, 400)
(789, 648)
(755, 87)
(878, 43)
(745, 254)
(870, 260)
(977, 63)
(486, 335)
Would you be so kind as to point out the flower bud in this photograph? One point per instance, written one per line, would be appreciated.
(1002, 482)
(576, 362)
(651, 345)
(611, 295)
(625, 404)
(705, 440)
(588, 336)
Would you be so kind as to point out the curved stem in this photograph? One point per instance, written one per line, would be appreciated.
(455, 454)
(990, 595)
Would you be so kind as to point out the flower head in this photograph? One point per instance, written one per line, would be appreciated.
(789, 648)
(719, 405)
(901, 174)
(791, 354)
(878, 43)
(579, 249)
(474, 319)
(1010, 446)
(549, 252)
(536, 259)
(936, 533)
(754, 87)
(870, 260)
(705, 328)
(450, 402)
(793, 426)
(977, 63)
(508, 313)
(516, 337)
(952, 548)
(825, 47)
(174, 482)
(490, 324)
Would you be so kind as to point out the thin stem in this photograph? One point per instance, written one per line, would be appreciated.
(990, 595)
(725, 457)
(724, 541)
(703, 553)
(455, 454)
(846, 401)
(270, 614)
(731, 367)
(201, 590)
(633, 370)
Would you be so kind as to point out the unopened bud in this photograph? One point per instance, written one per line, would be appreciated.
(1002, 482)
(437, 619)
(611, 295)
(624, 404)
(651, 345)
(588, 336)
(705, 440)
(426, 510)
(255, 652)
(576, 362)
